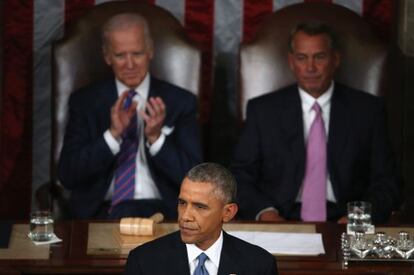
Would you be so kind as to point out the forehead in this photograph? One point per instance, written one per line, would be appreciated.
(191, 190)
(305, 42)
(132, 34)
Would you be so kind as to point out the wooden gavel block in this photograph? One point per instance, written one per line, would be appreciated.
(140, 226)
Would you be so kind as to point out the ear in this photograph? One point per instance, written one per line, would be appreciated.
(106, 56)
(338, 58)
(229, 211)
(290, 60)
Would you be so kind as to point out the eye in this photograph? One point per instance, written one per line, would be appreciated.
(181, 202)
(300, 57)
(119, 56)
(320, 56)
(200, 206)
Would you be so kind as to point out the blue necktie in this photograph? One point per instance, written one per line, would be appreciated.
(124, 186)
(201, 269)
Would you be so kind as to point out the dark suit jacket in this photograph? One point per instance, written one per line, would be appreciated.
(168, 255)
(86, 163)
(269, 160)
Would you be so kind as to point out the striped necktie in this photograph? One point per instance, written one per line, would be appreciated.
(314, 183)
(124, 186)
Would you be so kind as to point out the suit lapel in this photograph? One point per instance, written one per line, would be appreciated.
(228, 259)
(179, 258)
(292, 120)
(107, 97)
(339, 132)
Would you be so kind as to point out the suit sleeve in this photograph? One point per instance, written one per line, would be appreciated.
(132, 265)
(181, 149)
(85, 154)
(246, 166)
(383, 191)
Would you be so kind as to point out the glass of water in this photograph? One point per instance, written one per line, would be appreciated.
(41, 226)
(359, 216)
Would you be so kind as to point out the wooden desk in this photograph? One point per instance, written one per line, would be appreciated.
(71, 257)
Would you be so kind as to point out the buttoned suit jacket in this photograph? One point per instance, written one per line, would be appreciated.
(86, 164)
(168, 255)
(269, 160)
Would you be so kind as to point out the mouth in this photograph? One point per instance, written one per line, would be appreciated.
(186, 230)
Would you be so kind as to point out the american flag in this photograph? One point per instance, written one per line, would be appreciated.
(29, 27)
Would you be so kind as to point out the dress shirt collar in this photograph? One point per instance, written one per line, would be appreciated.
(142, 89)
(324, 100)
(213, 252)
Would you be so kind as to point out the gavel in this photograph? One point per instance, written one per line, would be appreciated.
(140, 226)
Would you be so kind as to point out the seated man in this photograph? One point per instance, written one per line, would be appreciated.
(308, 149)
(205, 202)
(130, 139)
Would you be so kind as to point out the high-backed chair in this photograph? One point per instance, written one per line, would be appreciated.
(263, 61)
(78, 60)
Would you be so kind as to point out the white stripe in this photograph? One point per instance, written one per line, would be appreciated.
(354, 5)
(97, 2)
(227, 36)
(47, 26)
(176, 7)
(279, 4)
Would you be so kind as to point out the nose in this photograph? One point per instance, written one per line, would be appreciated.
(129, 62)
(310, 65)
(186, 213)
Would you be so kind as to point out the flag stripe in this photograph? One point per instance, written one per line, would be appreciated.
(199, 22)
(16, 130)
(254, 14)
(47, 26)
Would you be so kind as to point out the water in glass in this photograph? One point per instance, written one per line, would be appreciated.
(41, 227)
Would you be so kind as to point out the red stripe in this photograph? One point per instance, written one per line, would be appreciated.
(16, 110)
(254, 13)
(76, 8)
(380, 15)
(199, 24)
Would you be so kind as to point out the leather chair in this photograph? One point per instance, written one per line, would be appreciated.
(78, 60)
(263, 61)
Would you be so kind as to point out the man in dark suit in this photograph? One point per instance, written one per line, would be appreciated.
(130, 139)
(205, 202)
(274, 161)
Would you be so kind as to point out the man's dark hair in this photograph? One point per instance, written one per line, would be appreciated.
(314, 28)
(217, 175)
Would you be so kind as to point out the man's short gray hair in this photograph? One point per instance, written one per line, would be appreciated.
(125, 21)
(314, 28)
(217, 175)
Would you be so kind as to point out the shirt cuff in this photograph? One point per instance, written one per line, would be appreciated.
(112, 143)
(264, 210)
(156, 146)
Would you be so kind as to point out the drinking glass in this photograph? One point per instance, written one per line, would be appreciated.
(41, 226)
(359, 216)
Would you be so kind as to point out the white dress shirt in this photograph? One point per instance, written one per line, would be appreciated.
(213, 253)
(145, 187)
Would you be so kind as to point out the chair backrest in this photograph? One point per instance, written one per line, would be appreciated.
(264, 65)
(78, 60)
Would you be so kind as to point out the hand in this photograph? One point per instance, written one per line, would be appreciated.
(154, 118)
(343, 220)
(271, 216)
(121, 118)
